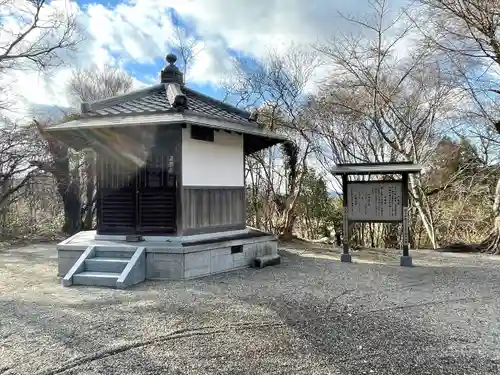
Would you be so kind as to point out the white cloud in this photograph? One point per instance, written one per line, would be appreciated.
(141, 32)
(105, 32)
(253, 26)
(257, 27)
(211, 64)
(137, 84)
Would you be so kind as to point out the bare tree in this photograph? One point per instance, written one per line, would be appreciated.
(43, 35)
(276, 84)
(468, 33)
(187, 47)
(38, 38)
(95, 83)
(36, 35)
(84, 85)
(60, 163)
(401, 101)
(16, 152)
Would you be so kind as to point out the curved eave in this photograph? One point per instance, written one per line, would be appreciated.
(77, 133)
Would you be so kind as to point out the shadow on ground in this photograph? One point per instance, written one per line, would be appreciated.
(305, 316)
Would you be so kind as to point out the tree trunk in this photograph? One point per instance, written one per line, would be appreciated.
(4, 208)
(411, 237)
(492, 243)
(372, 235)
(289, 215)
(72, 207)
(287, 233)
(68, 180)
(68, 186)
(390, 236)
(424, 215)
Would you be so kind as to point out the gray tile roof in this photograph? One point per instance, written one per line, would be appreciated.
(376, 168)
(154, 100)
(168, 102)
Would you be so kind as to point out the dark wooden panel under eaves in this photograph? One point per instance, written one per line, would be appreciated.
(139, 195)
(117, 210)
(157, 212)
(157, 198)
(116, 197)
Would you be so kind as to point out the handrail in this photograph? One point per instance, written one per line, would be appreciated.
(127, 277)
(78, 266)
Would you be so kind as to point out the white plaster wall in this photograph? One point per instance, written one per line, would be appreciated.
(218, 163)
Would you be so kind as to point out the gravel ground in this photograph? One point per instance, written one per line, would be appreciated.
(309, 315)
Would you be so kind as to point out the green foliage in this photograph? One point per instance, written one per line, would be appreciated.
(318, 212)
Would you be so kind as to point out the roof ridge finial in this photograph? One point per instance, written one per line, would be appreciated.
(171, 58)
(171, 73)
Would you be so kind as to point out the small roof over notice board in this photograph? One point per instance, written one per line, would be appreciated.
(376, 168)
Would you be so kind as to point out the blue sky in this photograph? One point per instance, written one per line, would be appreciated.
(137, 34)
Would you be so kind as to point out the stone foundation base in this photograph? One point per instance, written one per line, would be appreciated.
(174, 260)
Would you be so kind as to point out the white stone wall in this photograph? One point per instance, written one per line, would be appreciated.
(66, 259)
(218, 163)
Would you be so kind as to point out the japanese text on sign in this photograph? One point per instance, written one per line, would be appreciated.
(375, 201)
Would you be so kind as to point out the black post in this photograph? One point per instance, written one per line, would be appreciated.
(345, 257)
(406, 258)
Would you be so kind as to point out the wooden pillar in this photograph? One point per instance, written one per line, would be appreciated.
(406, 259)
(99, 190)
(345, 256)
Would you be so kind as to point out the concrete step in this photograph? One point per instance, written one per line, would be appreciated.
(114, 253)
(101, 264)
(96, 278)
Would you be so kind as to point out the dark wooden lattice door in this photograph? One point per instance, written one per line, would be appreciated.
(156, 196)
(116, 196)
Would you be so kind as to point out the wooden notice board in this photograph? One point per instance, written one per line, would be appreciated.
(377, 201)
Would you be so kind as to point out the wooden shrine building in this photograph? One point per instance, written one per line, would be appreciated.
(170, 176)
